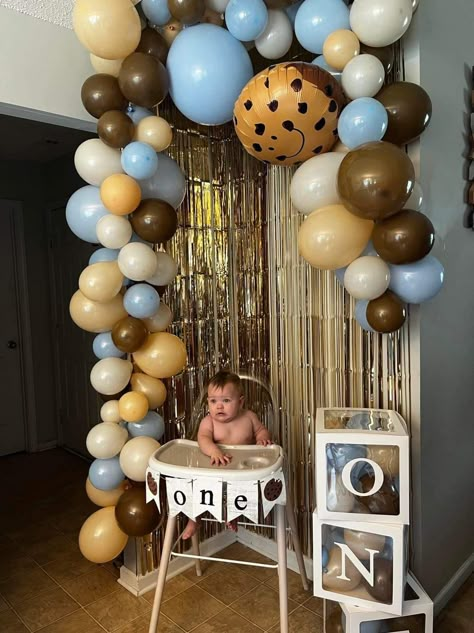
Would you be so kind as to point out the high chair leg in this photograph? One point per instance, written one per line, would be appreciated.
(296, 543)
(282, 576)
(165, 558)
(195, 548)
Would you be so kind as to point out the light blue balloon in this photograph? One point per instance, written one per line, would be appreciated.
(104, 347)
(139, 160)
(207, 69)
(292, 10)
(156, 11)
(362, 121)
(168, 184)
(322, 63)
(324, 556)
(106, 474)
(152, 425)
(83, 210)
(104, 255)
(137, 113)
(339, 454)
(361, 315)
(316, 19)
(360, 421)
(246, 19)
(374, 626)
(419, 281)
(141, 301)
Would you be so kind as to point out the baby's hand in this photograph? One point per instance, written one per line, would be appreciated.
(219, 458)
(267, 442)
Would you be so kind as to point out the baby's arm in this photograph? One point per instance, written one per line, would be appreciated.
(207, 444)
(262, 436)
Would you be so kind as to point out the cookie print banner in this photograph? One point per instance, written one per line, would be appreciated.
(152, 490)
(273, 491)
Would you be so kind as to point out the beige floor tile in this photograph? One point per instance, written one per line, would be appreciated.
(452, 623)
(10, 623)
(302, 621)
(295, 587)
(173, 586)
(227, 585)
(117, 609)
(112, 569)
(14, 563)
(3, 605)
(91, 586)
(46, 608)
(71, 522)
(261, 606)
(140, 625)
(26, 585)
(69, 567)
(52, 549)
(315, 605)
(227, 621)
(191, 608)
(77, 622)
(24, 535)
(262, 574)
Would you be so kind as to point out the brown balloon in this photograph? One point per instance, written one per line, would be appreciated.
(386, 313)
(115, 129)
(100, 93)
(385, 54)
(409, 110)
(154, 221)
(383, 579)
(129, 334)
(279, 4)
(134, 515)
(153, 43)
(404, 238)
(385, 501)
(143, 80)
(334, 623)
(375, 180)
(187, 11)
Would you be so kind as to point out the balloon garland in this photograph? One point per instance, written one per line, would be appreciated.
(359, 192)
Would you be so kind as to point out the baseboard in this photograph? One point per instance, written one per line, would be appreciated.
(138, 585)
(46, 446)
(453, 584)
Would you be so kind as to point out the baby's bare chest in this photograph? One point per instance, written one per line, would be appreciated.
(237, 432)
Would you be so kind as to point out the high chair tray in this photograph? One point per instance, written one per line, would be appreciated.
(183, 458)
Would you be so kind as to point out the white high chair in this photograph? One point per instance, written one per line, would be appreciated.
(248, 463)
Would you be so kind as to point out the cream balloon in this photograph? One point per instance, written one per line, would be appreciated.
(359, 541)
(166, 270)
(155, 131)
(314, 183)
(110, 30)
(135, 455)
(380, 22)
(137, 261)
(415, 201)
(109, 412)
(162, 356)
(153, 388)
(339, 499)
(105, 497)
(94, 316)
(333, 570)
(363, 76)
(113, 231)
(101, 281)
(339, 147)
(111, 375)
(133, 406)
(276, 39)
(340, 47)
(387, 457)
(332, 237)
(106, 66)
(367, 277)
(105, 440)
(100, 539)
(95, 161)
(217, 5)
(160, 321)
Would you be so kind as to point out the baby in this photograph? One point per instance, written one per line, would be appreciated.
(227, 423)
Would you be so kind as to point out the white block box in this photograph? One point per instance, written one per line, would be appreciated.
(361, 564)
(417, 615)
(362, 465)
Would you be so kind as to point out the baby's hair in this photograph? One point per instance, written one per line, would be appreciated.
(225, 377)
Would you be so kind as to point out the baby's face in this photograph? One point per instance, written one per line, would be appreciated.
(224, 404)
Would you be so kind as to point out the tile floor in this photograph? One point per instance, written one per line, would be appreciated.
(46, 585)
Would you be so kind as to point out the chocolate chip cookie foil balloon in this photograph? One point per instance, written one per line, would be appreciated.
(288, 113)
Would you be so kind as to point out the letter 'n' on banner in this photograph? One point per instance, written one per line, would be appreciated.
(242, 500)
(207, 496)
(180, 496)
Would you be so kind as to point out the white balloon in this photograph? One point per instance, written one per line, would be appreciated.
(340, 148)
(380, 22)
(367, 277)
(217, 5)
(111, 375)
(168, 183)
(275, 41)
(166, 270)
(109, 412)
(339, 499)
(113, 231)
(363, 76)
(314, 183)
(160, 321)
(137, 261)
(135, 455)
(95, 161)
(415, 201)
(105, 440)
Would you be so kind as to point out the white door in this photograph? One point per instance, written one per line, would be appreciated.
(12, 418)
(77, 401)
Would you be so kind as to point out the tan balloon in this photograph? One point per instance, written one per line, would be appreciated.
(153, 388)
(120, 194)
(171, 30)
(106, 66)
(95, 316)
(155, 131)
(332, 237)
(109, 412)
(387, 457)
(133, 406)
(340, 47)
(160, 321)
(162, 356)
(105, 498)
(101, 281)
(110, 30)
(334, 569)
(359, 542)
(100, 539)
